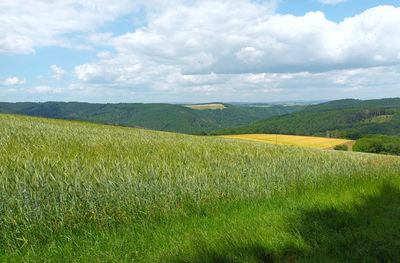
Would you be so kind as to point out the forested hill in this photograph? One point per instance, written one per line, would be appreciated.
(163, 117)
(347, 118)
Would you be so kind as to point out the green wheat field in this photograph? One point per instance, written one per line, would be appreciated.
(80, 192)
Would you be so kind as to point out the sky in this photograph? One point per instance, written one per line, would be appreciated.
(109, 51)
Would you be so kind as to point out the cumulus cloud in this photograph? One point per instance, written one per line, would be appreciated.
(12, 81)
(218, 48)
(238, 43)
(58, 72)
(26, 24)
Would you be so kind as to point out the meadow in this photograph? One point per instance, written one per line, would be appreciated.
(292, 140)
(80, 192)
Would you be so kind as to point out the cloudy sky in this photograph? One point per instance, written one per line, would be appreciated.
(198, 51)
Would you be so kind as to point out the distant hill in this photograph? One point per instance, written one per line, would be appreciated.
(347, 118)
(163, 117)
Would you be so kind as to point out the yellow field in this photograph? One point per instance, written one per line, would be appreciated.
(302, 141)
(206, 106)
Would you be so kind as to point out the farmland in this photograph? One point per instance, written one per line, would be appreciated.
(81, 192)
(206, 106)
(292, 140)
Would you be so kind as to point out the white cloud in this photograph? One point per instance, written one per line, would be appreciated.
(250, 55)
(12, 81)
(332, 2)
(42, 89)
(11, 90)
(238, 43)
(222, 49)
(263, 87)
(45, 90)
(26, 24)
(58, 72)
(243, 37)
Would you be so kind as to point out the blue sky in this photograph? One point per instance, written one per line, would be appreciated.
(198, 51)
(334, 12)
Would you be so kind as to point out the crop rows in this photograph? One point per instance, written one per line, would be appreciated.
(61, 175)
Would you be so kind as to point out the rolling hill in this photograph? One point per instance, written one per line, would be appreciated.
(163, 117)
(83, 192)
(347, 118)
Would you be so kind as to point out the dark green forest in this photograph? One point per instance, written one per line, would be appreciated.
(163, 117)
(378, 143)
(350, 119)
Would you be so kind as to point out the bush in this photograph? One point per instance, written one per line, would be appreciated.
(342, 147)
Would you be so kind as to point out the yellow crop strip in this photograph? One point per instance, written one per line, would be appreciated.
(292, 140)
(206, 106)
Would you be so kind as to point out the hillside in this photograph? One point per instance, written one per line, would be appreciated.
(342, 118)
(83, 192)
(163, 117)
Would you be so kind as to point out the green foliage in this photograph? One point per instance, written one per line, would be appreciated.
(378, 143)
(81, 192)
(342, 147)
(164, 117)
(380, 119)
(350, 119)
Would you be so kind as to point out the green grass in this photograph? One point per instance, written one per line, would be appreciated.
(79, 192)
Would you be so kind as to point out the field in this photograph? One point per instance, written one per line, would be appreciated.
(292, 140)
(80, 192)
(206, 107)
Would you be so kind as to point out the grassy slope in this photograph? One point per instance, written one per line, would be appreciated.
(84, 192)
(349, 117)
(165, 117)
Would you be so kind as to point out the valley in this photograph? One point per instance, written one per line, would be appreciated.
(193, 119)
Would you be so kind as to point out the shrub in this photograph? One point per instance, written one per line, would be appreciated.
(342, 147)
